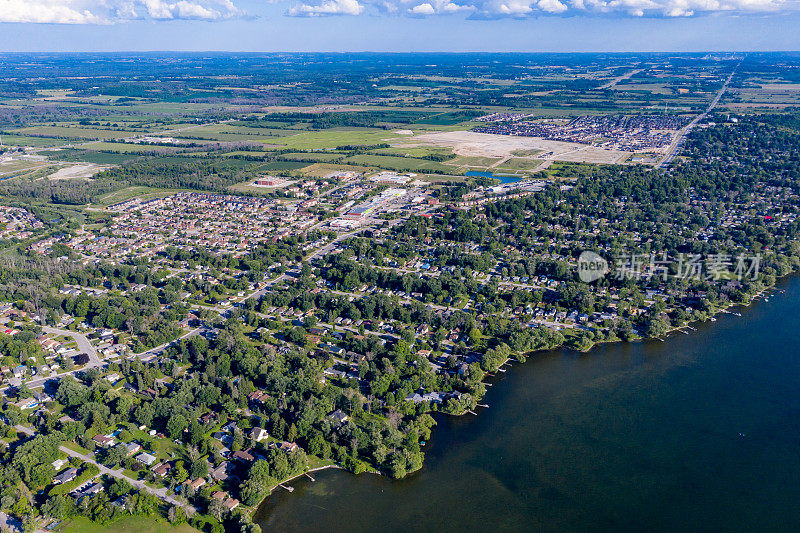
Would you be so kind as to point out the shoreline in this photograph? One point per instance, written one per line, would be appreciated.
(334, 466)
(711, 318)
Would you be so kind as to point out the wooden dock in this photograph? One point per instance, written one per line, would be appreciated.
(290, 489)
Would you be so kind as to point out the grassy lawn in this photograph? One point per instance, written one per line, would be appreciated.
(316, 462)
(76, 448)
(128, 524)
(166, 449)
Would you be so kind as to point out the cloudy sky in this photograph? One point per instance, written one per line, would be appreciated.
(399, 25)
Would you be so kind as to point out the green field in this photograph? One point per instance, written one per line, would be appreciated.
(526, 152)
(330, 139)
(127, 147)
(74, 132)
(313, 156)
(413, 152)
(284, 165)
(131, 192)
(516, 163)
(89, 156)
(446, 119)
(36, 142)
(467, 161)
(397, 163)
(128, 524)
(9, 167)
(222, 137)
(245, 132)
(318, 170)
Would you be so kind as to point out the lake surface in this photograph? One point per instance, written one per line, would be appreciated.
(701, 432)
(503, 178)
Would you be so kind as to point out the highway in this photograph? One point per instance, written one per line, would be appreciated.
(680, 140)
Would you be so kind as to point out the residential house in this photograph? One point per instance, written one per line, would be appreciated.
(146, 459)
(66, 476)
(104, 441)
(338, 417)
(196, 483)
(162, 470)
(259, 434)
(288, 446)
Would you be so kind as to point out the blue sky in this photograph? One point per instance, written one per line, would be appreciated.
(399, 25)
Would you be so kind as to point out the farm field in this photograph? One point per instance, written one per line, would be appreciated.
(36, 142)
(90, 156)
(8, 167)
(74, 132)
(229, 129)
(519, 164)
(313, 156)
(330, 139)
(284, 165)
(473, 161)
(397, 163)
(128, 147)
(413, 152)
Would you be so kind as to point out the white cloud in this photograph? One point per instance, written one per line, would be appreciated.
(111, 11)
(532, 8)
(551, 6)
(326, 8)
(46, 11)
(433, 7)
(422, 10)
